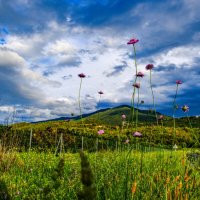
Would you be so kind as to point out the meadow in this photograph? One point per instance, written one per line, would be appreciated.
(130, 174)
(122, 153)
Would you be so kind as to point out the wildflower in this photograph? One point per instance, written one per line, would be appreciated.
(133, 41)
(161, 117)
(178, 82)
(134, 187)
(140, 74)
(137, 134)
(100, 132)
(136, 85)
(127, 141)
(100, 92)
(175, 147)
(149, 67)
(123, 117)
(185, 108)
(81, 75)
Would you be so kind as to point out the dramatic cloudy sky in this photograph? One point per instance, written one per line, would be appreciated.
(44, 44)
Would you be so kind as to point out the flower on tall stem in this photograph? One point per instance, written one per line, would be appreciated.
(178, 82)
(100, 92)
(81, 75)
(136, 85)
(79, 96)
(133, 41)
(140, 74)
(150, 67)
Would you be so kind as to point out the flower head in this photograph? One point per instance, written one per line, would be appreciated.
(185, 108)
(123, 116)
(126, 141)
(81, 75)
(140, 74)
(178, 82)
(133, 41)
(161, 117)
(100, 92)
(136, 85)
(137, 134)
(100, 132)
(149, 67)
(142, 102)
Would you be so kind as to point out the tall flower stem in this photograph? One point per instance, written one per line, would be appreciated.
(79, 99)
(133, 95)
(153, 98)
(174, 109)
(136, 124)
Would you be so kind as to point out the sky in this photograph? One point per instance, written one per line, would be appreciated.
(45, 44)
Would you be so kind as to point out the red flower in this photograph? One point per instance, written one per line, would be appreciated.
(100, 92)
(140, 74)
(178, 82)
(81, 75)
(133, 41)
(137, 85)
(149, 67)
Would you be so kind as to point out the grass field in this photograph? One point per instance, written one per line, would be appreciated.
(116, 175)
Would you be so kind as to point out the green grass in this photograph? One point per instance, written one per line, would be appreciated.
(117, 175)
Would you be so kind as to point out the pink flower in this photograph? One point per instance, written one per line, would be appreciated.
(137, 134)
(140, 74)
(100, 132)
(81, 75)
(123, 117)
(178, 82)
(133, 41)
(127, 141)
(137, 85)
(185, 108)
(161, 117)
(100, 92)
(149, 67)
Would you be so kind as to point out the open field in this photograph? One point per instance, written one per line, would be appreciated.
(116, 175)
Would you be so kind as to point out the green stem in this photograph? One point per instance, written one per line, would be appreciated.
(174, 108)
(79, 99)
(136, 124)
(133, 95)
(153, 99)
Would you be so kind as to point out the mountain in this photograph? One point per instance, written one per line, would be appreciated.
(112, 116)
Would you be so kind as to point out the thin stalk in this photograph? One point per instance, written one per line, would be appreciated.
(153, 99)
(133, 95)
(136, 124)
(174, 108)
(79, 99)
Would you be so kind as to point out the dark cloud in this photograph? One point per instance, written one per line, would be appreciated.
(67, 77)
(117, 69)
